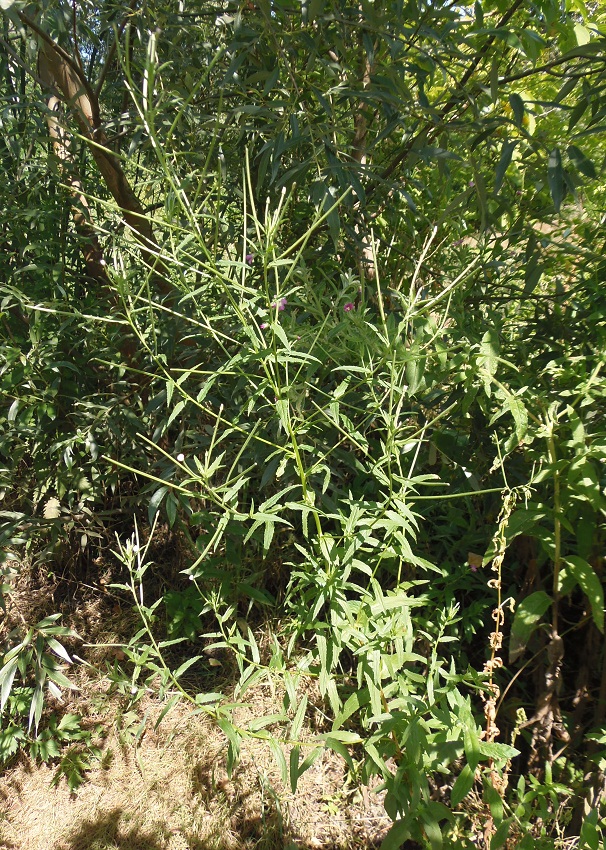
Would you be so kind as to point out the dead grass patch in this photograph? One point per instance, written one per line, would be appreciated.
(168, 788)
(170, 791)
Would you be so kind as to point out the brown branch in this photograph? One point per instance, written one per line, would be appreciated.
(67, 79)
(26, 21)
(62, 145)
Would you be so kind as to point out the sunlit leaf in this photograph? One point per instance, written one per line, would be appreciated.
(527, 616)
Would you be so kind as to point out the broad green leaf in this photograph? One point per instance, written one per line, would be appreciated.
(520, 416)
(498, 751)
(590, 836)
(582, 34)
(397, 836)
(581, 162)
(154, 502)
(494, 800)
(171, 508)
(432, 830)
(528, 613)
(517, 106)
(500, 836)
(591, 586)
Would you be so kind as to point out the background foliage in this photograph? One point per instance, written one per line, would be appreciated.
(317, 291)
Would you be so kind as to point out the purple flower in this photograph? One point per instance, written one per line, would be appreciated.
(347, 308)
(281, 304)
(263, 326)
(249, 259)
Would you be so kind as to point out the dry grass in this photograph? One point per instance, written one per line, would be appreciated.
(169, 790)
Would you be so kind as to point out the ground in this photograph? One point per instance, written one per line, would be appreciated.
(167, 788)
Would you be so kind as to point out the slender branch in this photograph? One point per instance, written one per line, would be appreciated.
(512, 78)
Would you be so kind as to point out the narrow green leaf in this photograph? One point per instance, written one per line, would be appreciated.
(340, 749)
(353, 704)
(297, 723)
(494, 79)
(233, 737)
(555, 178)
(577, 113)
(177, 409)
(268, 720)
(463, 785)
(35, 711)
(58, 649)
(7, 675)
(507, 150)
(276, 749)
(309, 759)
(294, 767)
(170, 704)
(185, 666)
(344, 736)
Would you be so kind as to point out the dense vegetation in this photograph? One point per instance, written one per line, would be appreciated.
(314, 294)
